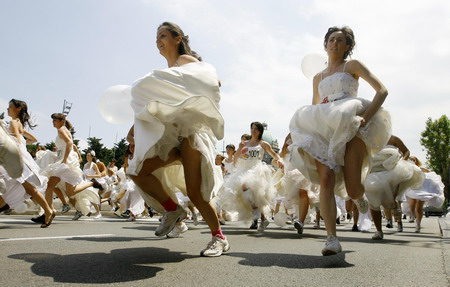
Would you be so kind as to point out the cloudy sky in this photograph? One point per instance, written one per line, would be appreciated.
(53, 51)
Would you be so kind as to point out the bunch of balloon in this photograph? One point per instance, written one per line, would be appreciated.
(114, 105)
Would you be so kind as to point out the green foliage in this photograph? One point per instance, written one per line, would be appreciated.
(50, 145)
(436, 140)
(105, 154)
(119, 150)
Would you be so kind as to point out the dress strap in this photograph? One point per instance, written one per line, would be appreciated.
(345, 64)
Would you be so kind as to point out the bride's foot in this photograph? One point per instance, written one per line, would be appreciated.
(48, 219)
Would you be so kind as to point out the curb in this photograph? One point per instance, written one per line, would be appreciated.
(444, 226)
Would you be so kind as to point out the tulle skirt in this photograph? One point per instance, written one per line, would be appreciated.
(69, 172)
(432, 190)
(391, 176)
(248, 188)
(321, 132)
(132, 199)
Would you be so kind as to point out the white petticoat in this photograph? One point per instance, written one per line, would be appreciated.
(69, 172)
(289, 182)
(321, 132)
(256, 177)
(174, 103)
(432, 190)
(391, 176)
(132, 199)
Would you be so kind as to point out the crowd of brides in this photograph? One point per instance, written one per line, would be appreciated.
(339, 160)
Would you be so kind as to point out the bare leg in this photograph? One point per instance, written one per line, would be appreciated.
(193, 177)
(304, 205)
(419, 211)
(60, 195)
(356, 214)
(412, 206)
(52, 182)
(80, 187)
(327, 200)
(388, 213)
(353, 160)
(149, 183)
(376, 216)
(277, 207)
(40, 199)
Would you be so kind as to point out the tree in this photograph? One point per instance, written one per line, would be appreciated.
(102, 153)
(119, 150)
(436, 140)
(50, 145)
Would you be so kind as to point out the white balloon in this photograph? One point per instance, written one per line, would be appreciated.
(312, 64)
(280, 219)
(21, 208)
(114, 105)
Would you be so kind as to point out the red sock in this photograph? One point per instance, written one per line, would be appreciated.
(169, 204)
(218, 233)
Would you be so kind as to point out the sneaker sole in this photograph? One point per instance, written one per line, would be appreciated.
(225, 249)
(172, 226)
(329, 252)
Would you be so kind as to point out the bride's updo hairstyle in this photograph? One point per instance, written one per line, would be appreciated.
(349, 36)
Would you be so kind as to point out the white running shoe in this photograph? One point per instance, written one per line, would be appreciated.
(417, 228)
(332, 246)
(378, 235)
(168, 221)
(411, 219)
(195, 219)
(362, 204)
(221, 221)
(178, 230)
(97, 216)
(216, 247)
(262, 226)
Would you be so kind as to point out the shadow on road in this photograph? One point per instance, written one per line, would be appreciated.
(292, 261)
(121, 265)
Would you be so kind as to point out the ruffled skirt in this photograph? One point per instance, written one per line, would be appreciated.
(391, 176)
(173, 104)
(248, 188)
(321, 132)
(432, 190)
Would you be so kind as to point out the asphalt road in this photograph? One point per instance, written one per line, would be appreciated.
(113, 252)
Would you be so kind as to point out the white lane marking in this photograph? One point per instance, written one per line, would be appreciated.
(56, 237)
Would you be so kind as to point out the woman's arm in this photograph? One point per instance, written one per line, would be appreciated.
(284, 149)
(29, 137)
(357, 69)
(397, 142)
(266, 146)
(238, 153)
(316, 96)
